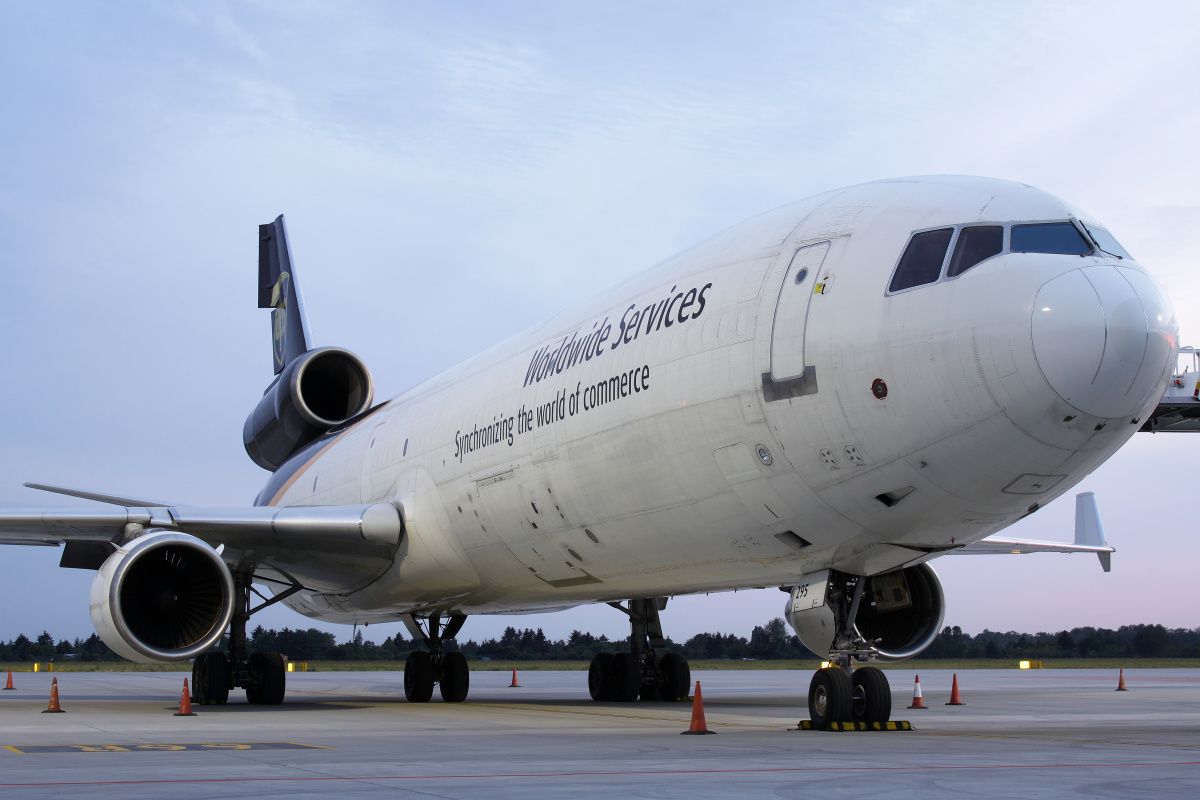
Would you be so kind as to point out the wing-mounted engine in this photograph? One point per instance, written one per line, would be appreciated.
(317, 391)
(891, 617)
(164, 597)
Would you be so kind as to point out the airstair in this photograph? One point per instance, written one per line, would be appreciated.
(1179, 408)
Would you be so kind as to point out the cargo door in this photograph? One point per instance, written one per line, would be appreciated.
(791, 311)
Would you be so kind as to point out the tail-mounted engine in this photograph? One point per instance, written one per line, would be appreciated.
(889, 617)
(164, 597)
(315, 392)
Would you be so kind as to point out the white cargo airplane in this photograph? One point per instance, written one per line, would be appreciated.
(823, 398)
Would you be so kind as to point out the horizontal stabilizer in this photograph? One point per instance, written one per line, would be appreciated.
(1089, 538)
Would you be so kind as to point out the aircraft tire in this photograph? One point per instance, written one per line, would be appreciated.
(599, 676)
(870, 696)
(456, 678)
(625, 679)
(210, 679)
(418, 677)
(829, 697)
(270, 674)
(676, 678)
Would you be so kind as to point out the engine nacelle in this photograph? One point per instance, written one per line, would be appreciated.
(315, 392)
(900, 612)
(163, 597)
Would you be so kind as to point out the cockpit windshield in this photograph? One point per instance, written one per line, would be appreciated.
(1107, 242)
(975, 244)
(1060, 238)
(943, 254)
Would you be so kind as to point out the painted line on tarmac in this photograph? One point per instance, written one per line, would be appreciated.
(466, 706)
(616, 773)
(1021, 738)
(146, 747)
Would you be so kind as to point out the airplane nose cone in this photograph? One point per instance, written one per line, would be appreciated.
(1103, 337)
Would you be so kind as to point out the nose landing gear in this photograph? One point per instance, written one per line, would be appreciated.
(640, 673)
(838, 692)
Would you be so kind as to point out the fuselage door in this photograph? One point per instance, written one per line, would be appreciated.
(791, 311)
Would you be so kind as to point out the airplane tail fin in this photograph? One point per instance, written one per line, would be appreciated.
(278, 290)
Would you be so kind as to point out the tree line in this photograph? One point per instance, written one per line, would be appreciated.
(771, 641)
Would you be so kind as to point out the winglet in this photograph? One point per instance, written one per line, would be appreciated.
(1088, 530)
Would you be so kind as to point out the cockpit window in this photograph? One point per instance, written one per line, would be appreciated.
(1106, 241)
(1061, 238)
(974, 245)
(922, 260)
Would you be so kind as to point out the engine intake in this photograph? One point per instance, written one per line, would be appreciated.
(165, 597)
(901, 612)
(315, 392)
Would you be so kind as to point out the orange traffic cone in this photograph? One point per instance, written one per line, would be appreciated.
(514, 684)
(699, 726)
(1120, 684)
(185, 703)
(917, 701)
(955, 700)
(9, 686)
(54, 708)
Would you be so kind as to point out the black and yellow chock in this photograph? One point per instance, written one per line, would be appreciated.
(897, 725)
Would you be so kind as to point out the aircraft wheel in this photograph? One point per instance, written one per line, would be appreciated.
(676, 678)
(829, 697)
(456, 678)
(210, 679)
(270, 679)
(418, 677)
(625, 679)
(870, 696)
(599, 675)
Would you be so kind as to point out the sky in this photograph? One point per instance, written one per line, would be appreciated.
(453, 173)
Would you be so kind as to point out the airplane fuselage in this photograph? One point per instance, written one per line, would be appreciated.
(768, 403)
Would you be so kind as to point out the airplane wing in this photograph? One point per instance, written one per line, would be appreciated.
(1089, 538)
(270, 531)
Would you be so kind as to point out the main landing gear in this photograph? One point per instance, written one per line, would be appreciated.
(262, 675)
(839, 693)
(624, 677)
(423, 669)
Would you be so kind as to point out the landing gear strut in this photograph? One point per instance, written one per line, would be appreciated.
(262, 675)
(423, 669)
(624, 677)
(840, 693)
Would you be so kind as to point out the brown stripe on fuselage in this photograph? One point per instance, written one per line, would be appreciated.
(304, 467)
